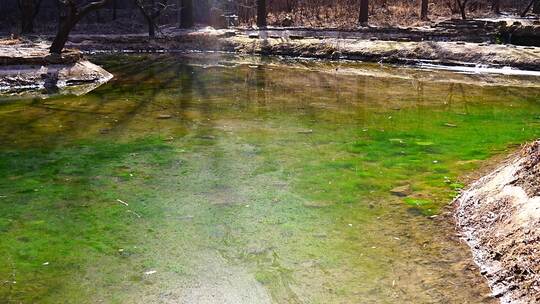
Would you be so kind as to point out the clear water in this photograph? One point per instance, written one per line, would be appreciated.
(217, 180)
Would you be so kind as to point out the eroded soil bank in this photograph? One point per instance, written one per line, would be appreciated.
(499, 217)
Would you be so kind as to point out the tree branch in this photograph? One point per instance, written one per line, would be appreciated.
(92, 6)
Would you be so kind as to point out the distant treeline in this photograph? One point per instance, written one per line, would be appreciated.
(318, 13)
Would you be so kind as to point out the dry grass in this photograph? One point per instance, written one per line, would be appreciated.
(10, 41)
(344, 13)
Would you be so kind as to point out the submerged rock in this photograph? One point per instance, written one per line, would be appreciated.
(402, 191)
(164, 116)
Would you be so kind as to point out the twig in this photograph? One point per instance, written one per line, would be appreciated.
(138, 215)
(122, 202)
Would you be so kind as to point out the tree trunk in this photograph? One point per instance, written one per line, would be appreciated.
(364, 12)
(424, 10)
(528, 8)
(151, 27)
(186, 18)
(28, 10)
(179, 13)
(69, 15)
(462, 4)
(496, 6)
(66, 25)
(261, 13)
(114, 8)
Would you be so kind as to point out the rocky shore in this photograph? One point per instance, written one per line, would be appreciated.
(499, 217)
(384, 48)
(27, 68)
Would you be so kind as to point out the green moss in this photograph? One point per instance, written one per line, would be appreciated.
(234, 181)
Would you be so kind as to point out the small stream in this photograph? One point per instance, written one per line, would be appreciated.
(218, 179)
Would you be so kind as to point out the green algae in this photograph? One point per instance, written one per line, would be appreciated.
(262, 176)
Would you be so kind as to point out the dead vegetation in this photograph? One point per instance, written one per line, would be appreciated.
(345, 13)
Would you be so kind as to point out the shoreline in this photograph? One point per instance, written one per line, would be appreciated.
(497, 216)
(27, 69)
(309, 45)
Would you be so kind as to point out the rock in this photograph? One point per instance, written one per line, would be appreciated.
(317, 204)
(208, 137)
(401, 191)
(164, 116)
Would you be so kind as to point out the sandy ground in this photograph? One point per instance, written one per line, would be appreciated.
(499, 217)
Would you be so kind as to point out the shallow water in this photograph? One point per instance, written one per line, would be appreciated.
(225, 180)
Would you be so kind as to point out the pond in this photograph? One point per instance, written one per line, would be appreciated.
(216, 179)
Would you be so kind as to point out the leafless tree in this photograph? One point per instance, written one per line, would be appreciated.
(261, 13)
(496, 6)
(29, 10)
(526, 10)
(71, 13)
(186, 16)
(462, 5)
(364, 12)
(151, 10)
(424, 10)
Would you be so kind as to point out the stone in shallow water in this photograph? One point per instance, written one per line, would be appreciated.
(164, 116)
(401, 191)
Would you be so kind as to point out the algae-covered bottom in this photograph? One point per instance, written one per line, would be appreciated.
(212, 180)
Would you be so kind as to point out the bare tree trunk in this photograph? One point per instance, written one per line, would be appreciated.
(151, 27)
(151, 14)
(462, 4)
(496, 6)
(114, 9)
(261, 13)
(424, 10)
(186, 19)
(69, 16)
(29, 10)
(528, 8)
(64, 28)
(364, 12)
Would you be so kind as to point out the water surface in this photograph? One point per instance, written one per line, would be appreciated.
(204, 179)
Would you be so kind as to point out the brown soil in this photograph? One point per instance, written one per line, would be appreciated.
(499, 217)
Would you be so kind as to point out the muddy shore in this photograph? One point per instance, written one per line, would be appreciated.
(498, 217)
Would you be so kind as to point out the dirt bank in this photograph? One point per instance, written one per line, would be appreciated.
(317, 44)
(27, 68)
(499, 217)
